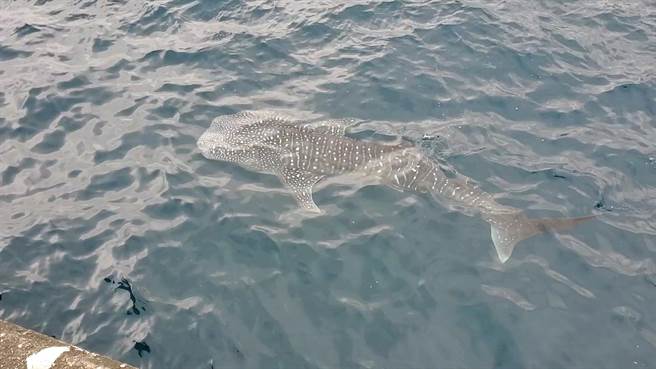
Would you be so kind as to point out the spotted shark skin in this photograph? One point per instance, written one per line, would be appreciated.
(302, 154)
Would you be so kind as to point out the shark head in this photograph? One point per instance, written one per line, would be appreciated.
(234, 140)
(216, 142)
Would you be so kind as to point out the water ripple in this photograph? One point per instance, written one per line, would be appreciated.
(116, 234)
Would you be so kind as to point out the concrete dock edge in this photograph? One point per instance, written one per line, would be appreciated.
(22, 348)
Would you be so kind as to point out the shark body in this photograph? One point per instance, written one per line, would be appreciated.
(303, 154)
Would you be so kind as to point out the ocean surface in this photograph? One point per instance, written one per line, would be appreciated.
(118, 236)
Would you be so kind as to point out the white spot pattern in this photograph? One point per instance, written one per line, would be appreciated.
(302, 153)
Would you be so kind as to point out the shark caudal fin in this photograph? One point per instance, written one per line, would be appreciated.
(509, 229)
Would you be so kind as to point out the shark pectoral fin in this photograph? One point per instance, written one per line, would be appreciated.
(301, 183)
(333, 127)
(304, 199)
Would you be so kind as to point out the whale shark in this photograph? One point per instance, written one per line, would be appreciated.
(302, 153)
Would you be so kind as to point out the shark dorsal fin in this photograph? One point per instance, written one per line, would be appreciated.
(333, 127)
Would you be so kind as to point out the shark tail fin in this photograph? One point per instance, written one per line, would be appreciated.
(509, 229)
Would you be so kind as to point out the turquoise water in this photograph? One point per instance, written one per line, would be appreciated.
(117, 235)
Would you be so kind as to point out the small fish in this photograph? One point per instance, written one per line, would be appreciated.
(302, 154)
